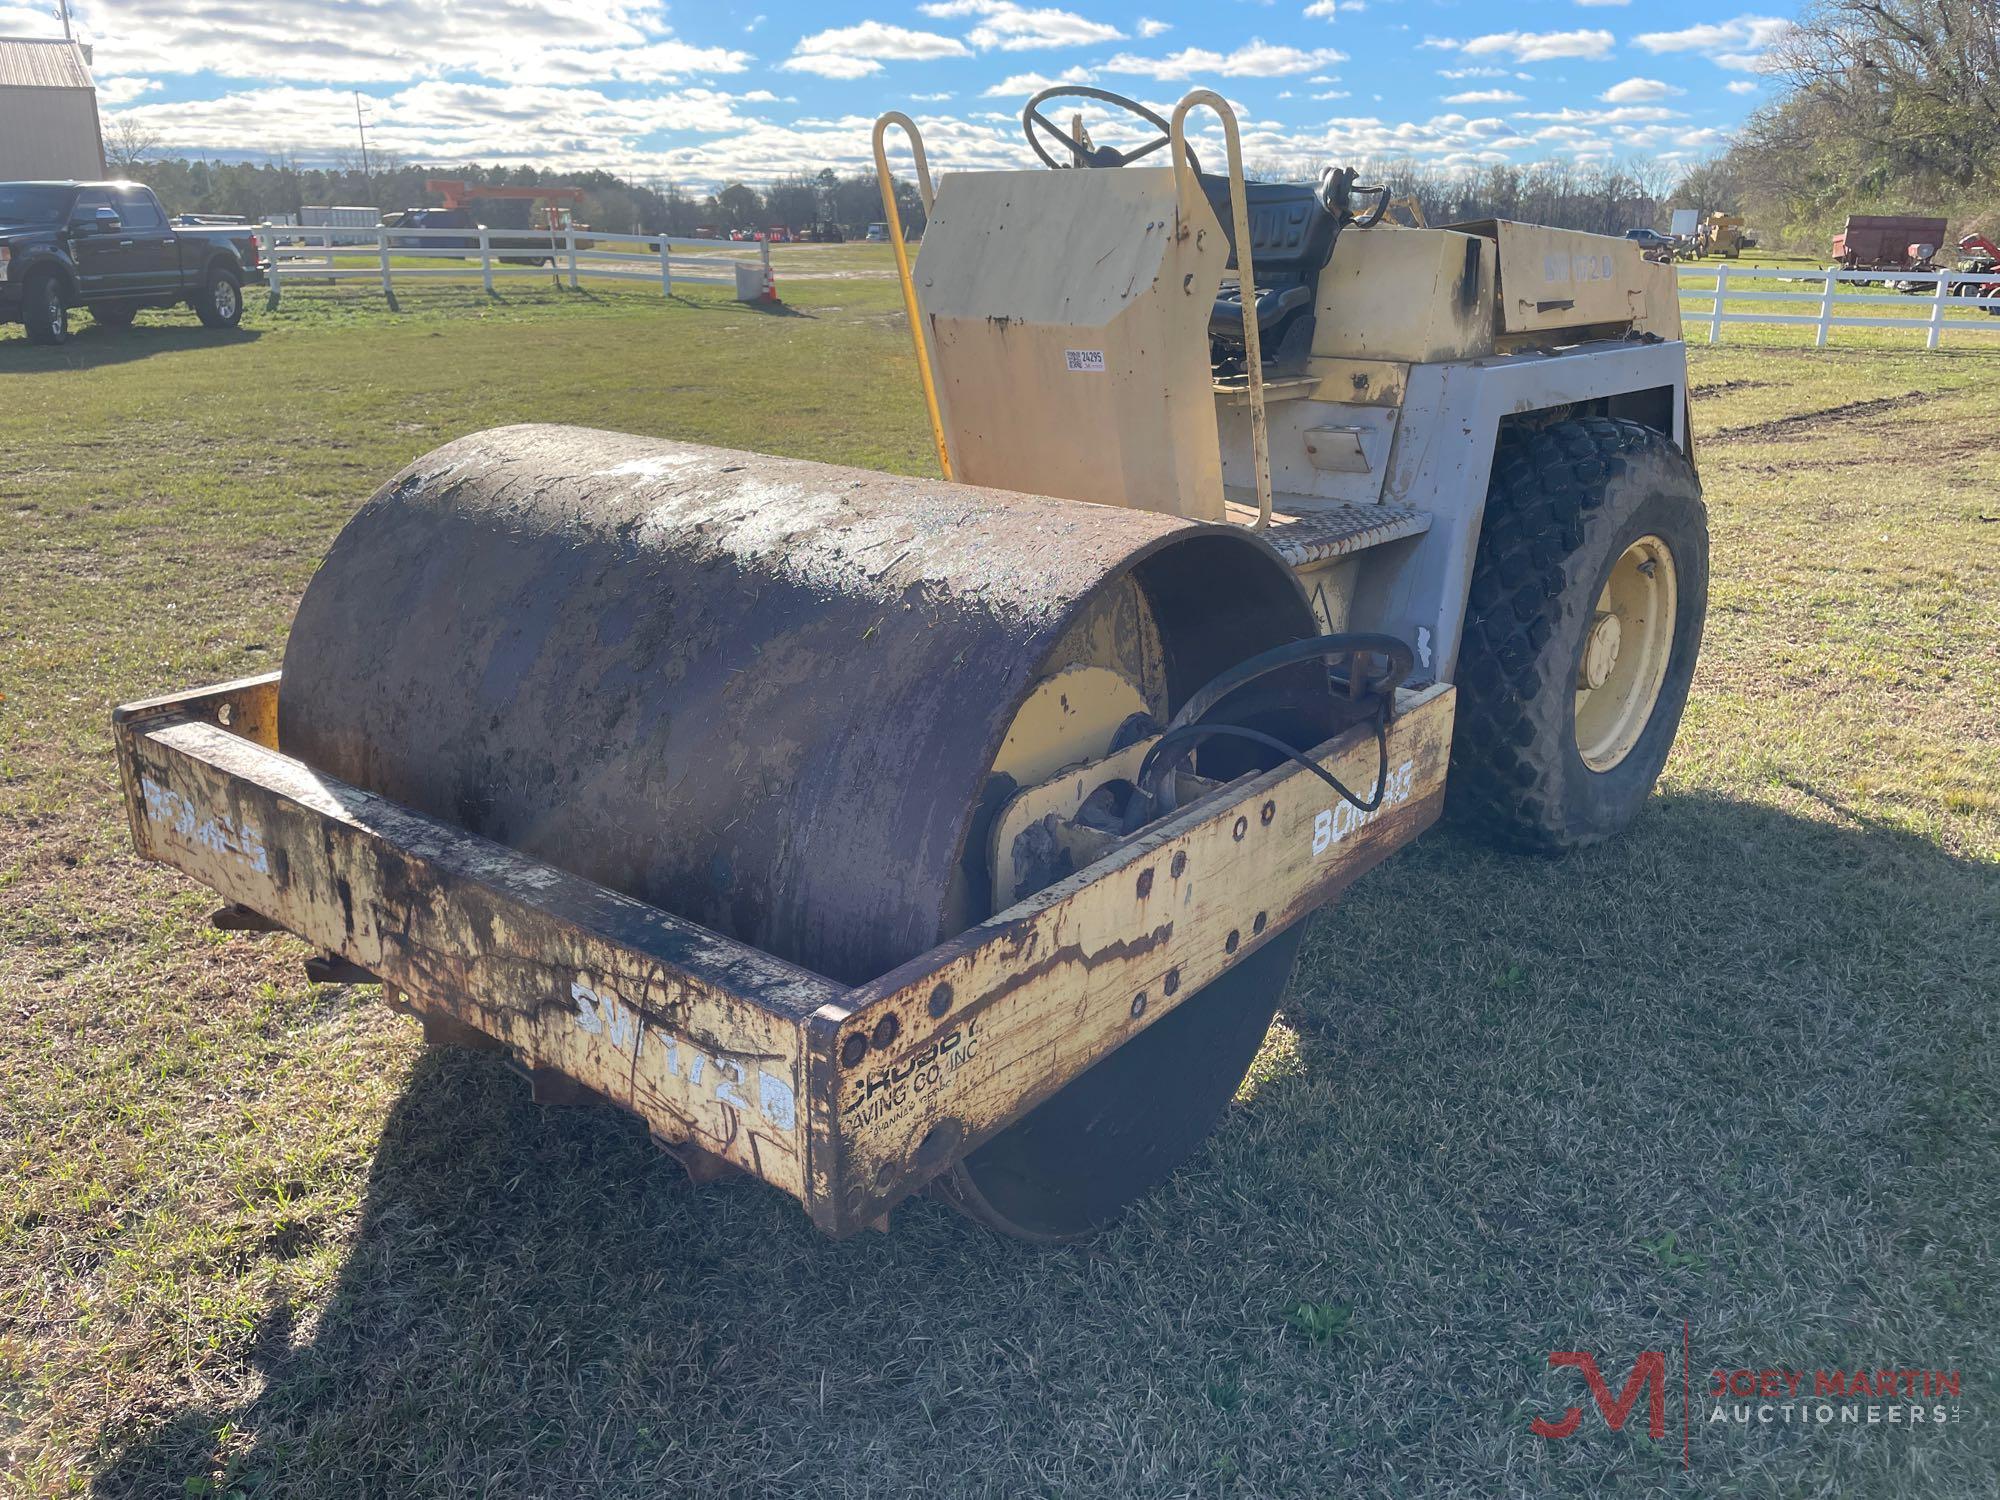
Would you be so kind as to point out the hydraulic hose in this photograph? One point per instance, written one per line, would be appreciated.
(1188, 728)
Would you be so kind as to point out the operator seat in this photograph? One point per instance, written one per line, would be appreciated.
(1292, 233)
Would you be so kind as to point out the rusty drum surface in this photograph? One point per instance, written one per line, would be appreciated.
(763, 694)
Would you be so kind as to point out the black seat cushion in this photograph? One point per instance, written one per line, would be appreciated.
(1273, 302)
(1291, 231)
(1292, 236)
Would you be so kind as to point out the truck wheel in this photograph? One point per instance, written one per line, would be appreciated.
(113, 317)
(219, 304)
(45, 310)
(1585, 617)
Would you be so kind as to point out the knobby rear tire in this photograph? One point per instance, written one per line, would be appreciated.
(1564, 503)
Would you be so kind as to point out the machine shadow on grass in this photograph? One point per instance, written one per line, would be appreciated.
(306, 303)
(92, 345)
(1727, 1069)
(779, 309)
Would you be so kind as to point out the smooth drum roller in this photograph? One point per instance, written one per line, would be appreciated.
(785, 700)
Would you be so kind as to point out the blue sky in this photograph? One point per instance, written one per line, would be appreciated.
(702, 92)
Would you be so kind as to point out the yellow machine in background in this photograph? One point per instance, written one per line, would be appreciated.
(1722, 234)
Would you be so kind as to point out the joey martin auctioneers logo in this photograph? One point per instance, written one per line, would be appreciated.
(1873, 1395)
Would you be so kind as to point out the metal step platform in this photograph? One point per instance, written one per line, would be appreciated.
(1317, 531)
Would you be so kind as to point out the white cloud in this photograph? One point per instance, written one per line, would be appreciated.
(1529, 46)
(1638, 91)
(1475, 72)
(1149, 28)
(1603, 2)
(1741, 86)
(658, 62)
(1014, 28)
(766, 150)
(831, 65)
(859, 50)
(1624, 114)
(1335, 94)
(1020, 85)
(1737, 44)
(117, 91)
(359, 42)
(1744, 31)
(879, 41)
(442, 120)
(1451, 140)
(1257, 59)
(716, 137)
(1321, 10)
(1571, 140)
(1484, 96)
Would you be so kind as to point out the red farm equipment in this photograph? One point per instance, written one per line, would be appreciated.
(1888, 242)
(1979, 256)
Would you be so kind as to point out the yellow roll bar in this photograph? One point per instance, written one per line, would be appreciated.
(909, 128)
(1253, 352)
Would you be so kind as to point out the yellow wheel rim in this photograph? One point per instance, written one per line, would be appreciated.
(1626, 647)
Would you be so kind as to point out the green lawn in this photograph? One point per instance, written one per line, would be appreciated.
(1737, 1069)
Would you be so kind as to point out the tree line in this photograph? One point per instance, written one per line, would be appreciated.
(1601, 199)
(253, 190)
(1608, 200)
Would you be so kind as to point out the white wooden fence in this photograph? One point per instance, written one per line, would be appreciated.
(296, 254)
(1732, 291)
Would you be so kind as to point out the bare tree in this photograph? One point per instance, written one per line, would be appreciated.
(1921, 76)
(1708, 186)
(129, 145)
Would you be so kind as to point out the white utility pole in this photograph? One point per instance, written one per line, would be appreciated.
(361, 129)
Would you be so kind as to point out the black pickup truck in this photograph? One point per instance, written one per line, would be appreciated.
(107, 246)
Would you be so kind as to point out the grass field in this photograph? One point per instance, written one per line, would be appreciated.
(1737, 1069)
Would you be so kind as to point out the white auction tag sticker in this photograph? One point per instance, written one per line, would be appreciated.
(1084, 361)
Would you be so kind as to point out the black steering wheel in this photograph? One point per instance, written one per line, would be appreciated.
(1078, 153)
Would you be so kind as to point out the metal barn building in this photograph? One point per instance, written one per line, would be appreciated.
(48, 111)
